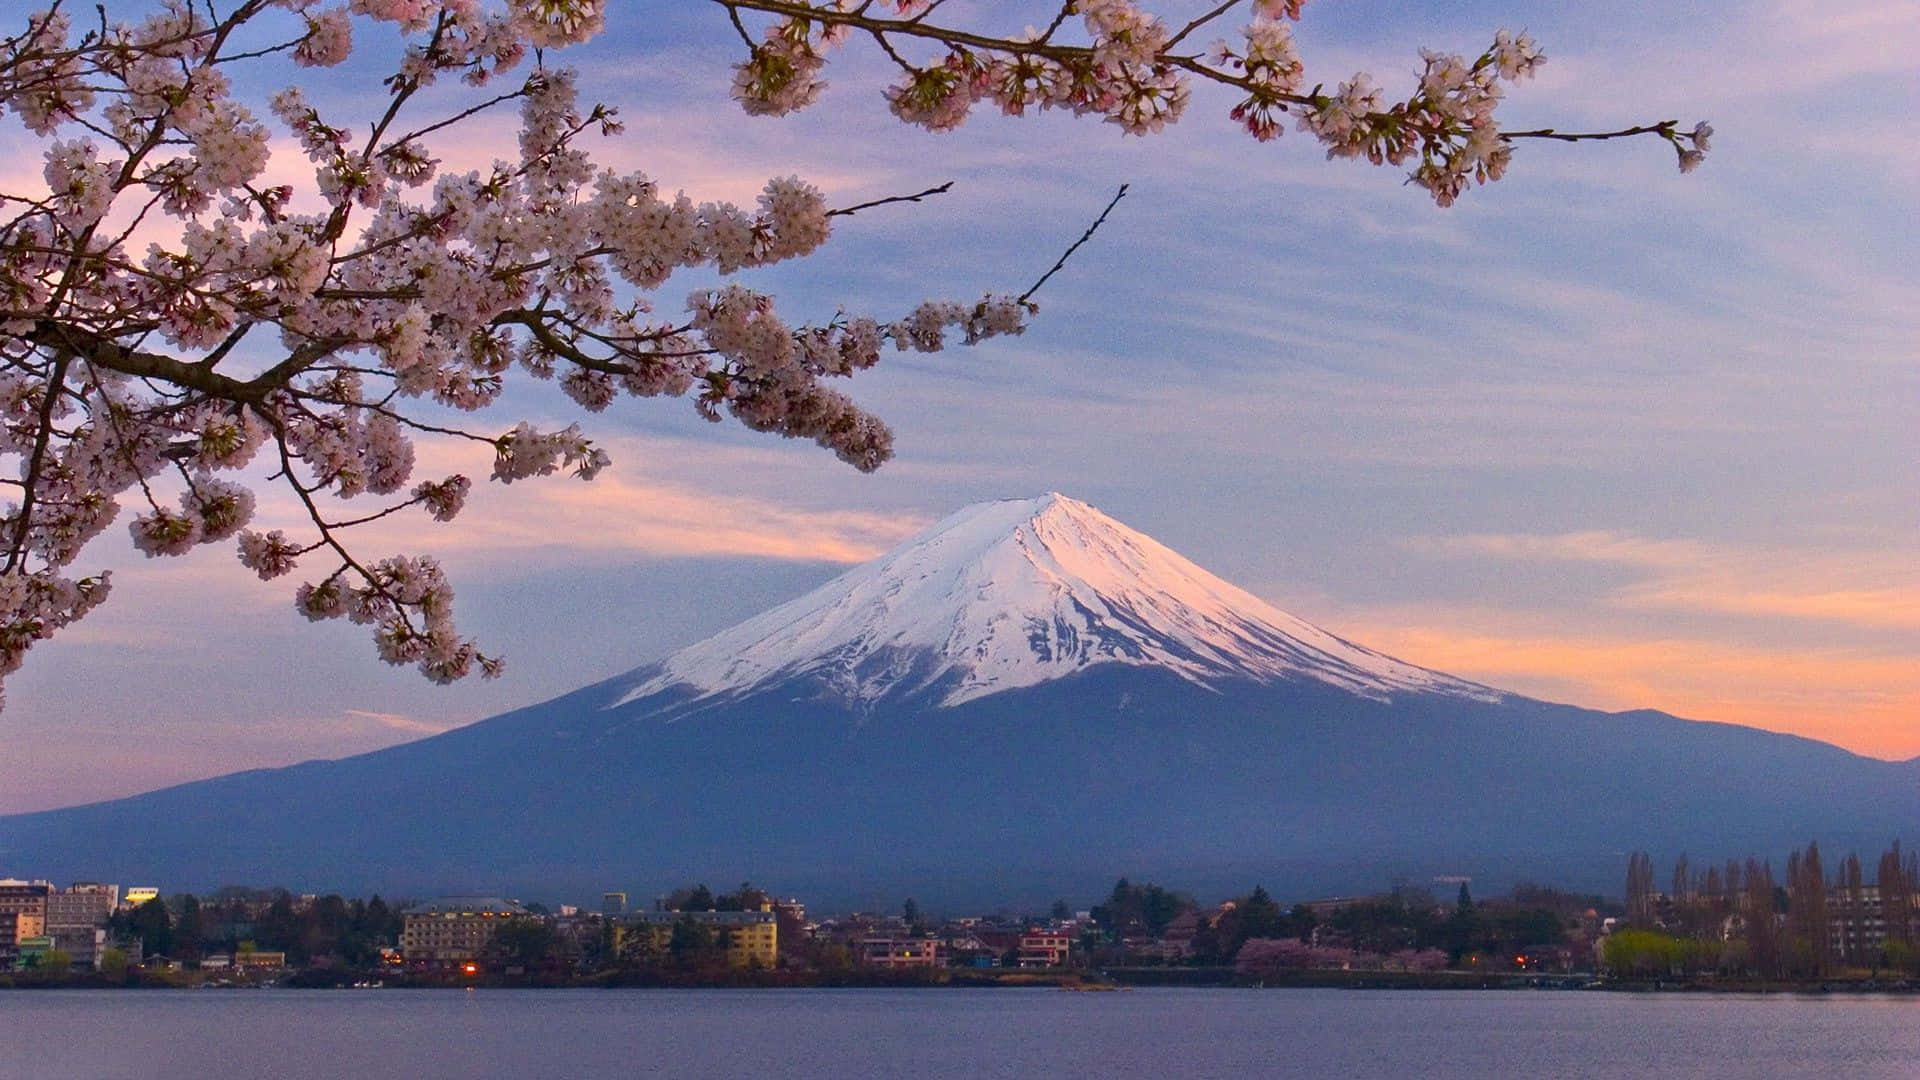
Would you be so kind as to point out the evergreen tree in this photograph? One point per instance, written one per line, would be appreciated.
(152, 923)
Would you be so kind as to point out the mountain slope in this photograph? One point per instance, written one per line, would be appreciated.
(1024, 702)
(1004, 595)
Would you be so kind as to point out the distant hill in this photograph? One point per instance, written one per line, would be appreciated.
(1024, 702)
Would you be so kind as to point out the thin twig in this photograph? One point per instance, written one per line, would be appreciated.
(1084, 237)
(857, 207)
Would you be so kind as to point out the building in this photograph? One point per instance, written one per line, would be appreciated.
(748, 938)
(260, 961)
(900, 952)
(84, 905)
(794, 929)
(24, 896)
(83, 945)
(15, 927)
(32, 951)
(1861, 931)
(613, 904)
(1044, 948)
(454, 930)
(137, 895)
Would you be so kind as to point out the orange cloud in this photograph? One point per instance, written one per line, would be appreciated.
(1893, 608)
(1865, 702)
(1870, 589)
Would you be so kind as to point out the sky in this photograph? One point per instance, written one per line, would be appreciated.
(1600, 433)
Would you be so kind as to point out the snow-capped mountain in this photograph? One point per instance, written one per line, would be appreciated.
(1010, 594)
(1022, 703)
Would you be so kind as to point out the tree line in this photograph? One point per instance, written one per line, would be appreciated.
(329, 930)
(1739, 919)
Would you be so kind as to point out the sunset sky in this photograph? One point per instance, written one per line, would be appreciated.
(1601, 433)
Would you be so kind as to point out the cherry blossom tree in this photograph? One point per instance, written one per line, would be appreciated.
(168, 317)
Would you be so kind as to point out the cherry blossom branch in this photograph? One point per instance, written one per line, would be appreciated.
(126, 374)
(921, 196)
(1075, 246)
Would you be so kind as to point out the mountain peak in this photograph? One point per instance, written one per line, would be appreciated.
(1012, 593)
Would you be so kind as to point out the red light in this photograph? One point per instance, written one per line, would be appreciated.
(470, 968)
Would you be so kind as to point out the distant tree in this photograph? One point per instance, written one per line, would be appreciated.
(278, 928)
(698, 898)
(379, 925)
(1643, 954)
(1301, 922)
(525, 943)
(1898, 879)
(1060, 912)
(1680, 891)
(638, 950)
(1808, 934)
(189, 929)
(745, 898)
(910, 911)
(112, 963)
(324, 930)
(1759, 918)
(1258, 916)
(1640, 894)
(1383, 926)
(1139, 910)
(693, 945)
(153, 925)
(1464, 930)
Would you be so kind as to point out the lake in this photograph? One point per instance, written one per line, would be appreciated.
(972, 1034)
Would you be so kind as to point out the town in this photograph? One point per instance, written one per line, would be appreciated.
(1729, 925)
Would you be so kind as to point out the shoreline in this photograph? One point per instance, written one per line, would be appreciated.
(1112, 979)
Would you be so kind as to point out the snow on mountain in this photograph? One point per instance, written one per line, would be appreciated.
(1010, 594)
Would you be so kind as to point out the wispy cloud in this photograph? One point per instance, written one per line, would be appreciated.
(403, 723)
(1870, 589)
(632, 508)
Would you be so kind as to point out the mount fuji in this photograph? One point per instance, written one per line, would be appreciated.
(1024, 701)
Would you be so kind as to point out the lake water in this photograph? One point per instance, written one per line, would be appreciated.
(975, 1034)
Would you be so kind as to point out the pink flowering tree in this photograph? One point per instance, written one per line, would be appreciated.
(1262, 957)
(169, 318)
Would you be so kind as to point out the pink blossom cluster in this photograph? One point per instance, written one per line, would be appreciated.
(393, 588)
(167, 316)
(1269, 956)
(1123, 75)
(1260, 956)
(1131, 69)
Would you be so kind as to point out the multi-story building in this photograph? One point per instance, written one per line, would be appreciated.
(1044, 948)
(790, 916)
(613, 903)
(1862, 930)
(260, 961)
(749, 938)
(901, 952)
(24, 896)
(84, 905)
(454, 930)
(82, 944)
(137, 895)
(15, 927)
